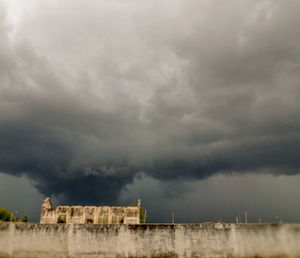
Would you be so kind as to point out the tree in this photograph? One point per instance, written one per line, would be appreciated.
(6, 215)
(24, 219)
(142, 215)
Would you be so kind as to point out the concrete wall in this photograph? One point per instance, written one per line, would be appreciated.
(148, 240)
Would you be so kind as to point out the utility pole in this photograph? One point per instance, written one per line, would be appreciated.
(246, 217)
(145, 216)
(172, 217)
(279, 219)
(236, 219)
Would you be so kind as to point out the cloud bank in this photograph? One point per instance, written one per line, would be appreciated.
(95, 93)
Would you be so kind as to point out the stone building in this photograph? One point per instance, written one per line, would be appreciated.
(90, 214)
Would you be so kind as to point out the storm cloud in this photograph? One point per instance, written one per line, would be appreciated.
(95, 93)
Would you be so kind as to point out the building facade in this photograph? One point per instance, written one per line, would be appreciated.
(90, 214)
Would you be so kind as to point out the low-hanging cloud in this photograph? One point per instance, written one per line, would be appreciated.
(93, 93)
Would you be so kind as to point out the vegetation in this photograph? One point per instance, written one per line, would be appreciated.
(143, 213)
(6, 215)
(24, 219)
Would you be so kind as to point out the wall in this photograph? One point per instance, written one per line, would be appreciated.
(148, 240)
(89, 214)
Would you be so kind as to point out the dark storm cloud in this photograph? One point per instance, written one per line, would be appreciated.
(94, 93)
(219, 197)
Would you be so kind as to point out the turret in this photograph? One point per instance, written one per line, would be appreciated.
(47, 203)
(139, 203)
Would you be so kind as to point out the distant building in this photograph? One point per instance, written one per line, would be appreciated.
(90, 214)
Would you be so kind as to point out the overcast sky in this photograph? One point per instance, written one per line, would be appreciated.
(191, 105)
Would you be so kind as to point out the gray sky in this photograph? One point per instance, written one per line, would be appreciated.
(105, 101)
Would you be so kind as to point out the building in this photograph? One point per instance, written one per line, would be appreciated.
(90, 214)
